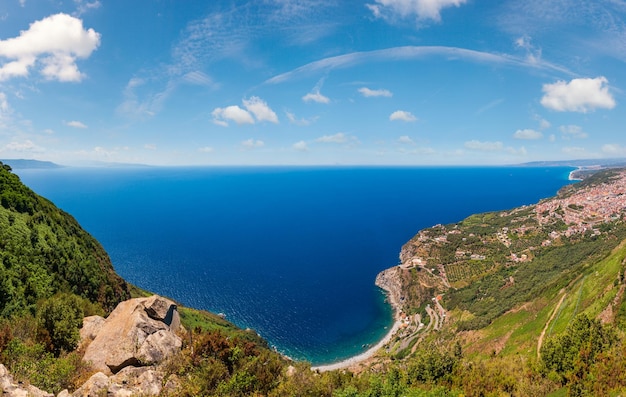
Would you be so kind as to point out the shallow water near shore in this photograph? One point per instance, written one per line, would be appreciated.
(291, 252)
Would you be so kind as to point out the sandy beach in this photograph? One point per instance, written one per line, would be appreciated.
(361, 357)
(371, 352)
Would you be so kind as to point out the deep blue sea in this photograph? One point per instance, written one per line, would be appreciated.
(291, 252)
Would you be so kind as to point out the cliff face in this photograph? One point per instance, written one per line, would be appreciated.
(390, 280)
(412, 283)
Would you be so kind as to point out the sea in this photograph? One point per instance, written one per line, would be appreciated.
(290, 252)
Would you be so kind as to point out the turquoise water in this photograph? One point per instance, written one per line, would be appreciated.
(289, 252)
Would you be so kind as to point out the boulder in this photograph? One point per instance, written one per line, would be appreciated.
(91, 327)
(97, 385)
(133, 381)
(139, 332)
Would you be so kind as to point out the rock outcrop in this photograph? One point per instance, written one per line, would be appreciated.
(131, 381)
(390, 280)
(139, 332)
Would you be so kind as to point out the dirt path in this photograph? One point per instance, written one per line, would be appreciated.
(545, 328)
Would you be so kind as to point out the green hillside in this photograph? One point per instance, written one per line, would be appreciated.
(44, 251)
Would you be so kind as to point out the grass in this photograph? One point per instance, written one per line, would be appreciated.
(590, 293)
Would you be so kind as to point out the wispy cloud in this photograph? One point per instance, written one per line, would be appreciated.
(300, 146)
(315, 95)
(252, 144)
(85, 6)
(405, 139)
(527, 134)
(76, 124)
(409, 53)
(149, 105)
(299, 121)
(368, 93)
(339, 137)
(22, 147)
(420, 9)
(573, 131)
(614, 149)
(485, 146)
(490, 106)
(603, 21)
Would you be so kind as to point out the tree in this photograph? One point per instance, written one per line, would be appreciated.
(61, 317)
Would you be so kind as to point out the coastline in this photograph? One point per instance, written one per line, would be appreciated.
(366, 355)
(372, 351)
(572, 174)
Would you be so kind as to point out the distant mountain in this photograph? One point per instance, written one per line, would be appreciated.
(22, 164)
(602, 163)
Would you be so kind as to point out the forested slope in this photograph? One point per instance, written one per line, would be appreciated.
(44, 251)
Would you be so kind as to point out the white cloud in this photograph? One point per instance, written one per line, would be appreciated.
(401, 115)
(48, 131)
(573, 131)
(206, 149)
(484, 146)
(579, 95)
(75, 124)
(221, 116)
(260, 110)
(614, 149)
(150, 146)
(339, 137)
(422, 9)
(300, 146)
(315, 96)
(552, 138)
(366, 92)
(56, 42)
(251, 144)
(406, 140)
(528, 134)
(544, 124)
(254, 106)
(25, 146)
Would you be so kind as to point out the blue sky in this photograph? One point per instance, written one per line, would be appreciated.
(397, 82)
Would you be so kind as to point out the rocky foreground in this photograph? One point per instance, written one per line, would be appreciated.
(126, 349)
